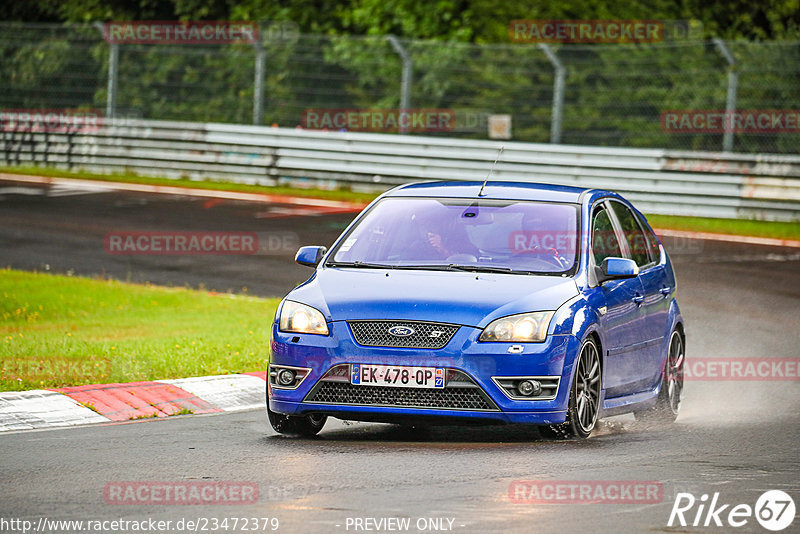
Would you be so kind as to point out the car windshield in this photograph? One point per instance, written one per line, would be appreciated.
(463, 234)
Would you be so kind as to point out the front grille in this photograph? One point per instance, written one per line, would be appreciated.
(459, 393)
(424, 336)
(445, 399)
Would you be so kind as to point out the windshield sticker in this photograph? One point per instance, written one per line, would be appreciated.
(348, 244)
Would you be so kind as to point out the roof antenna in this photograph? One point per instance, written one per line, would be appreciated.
(499, 153)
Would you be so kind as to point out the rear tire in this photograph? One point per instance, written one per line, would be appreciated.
(668, 404)
(296, 425)
(584, 397)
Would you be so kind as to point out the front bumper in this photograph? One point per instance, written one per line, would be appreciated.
(483, 364)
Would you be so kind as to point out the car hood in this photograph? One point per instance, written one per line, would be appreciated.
(471, 299)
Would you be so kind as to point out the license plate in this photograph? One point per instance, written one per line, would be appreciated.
(362, 374)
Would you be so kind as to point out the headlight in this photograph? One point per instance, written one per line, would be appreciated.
(525, 327)
(296, 317)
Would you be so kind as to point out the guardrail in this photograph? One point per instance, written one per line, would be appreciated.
(659, 181)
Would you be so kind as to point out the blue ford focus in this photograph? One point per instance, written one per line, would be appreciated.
(462, 302)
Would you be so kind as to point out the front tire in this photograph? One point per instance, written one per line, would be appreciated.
(668, 404)
(296, 425)
(584, 396)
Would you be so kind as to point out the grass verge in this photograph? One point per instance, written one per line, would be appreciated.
(772, 229)
(60, 331)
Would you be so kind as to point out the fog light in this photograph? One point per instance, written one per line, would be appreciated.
(529, 388)
(286, 377)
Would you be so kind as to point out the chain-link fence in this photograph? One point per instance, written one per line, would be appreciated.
(609, 95)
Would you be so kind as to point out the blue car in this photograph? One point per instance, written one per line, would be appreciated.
(457, 302)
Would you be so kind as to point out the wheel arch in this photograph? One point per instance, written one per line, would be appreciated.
(675, 323)
(590, 330)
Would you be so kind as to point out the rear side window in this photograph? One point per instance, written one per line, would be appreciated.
(604, 240)
(652, 242)
(634, 235)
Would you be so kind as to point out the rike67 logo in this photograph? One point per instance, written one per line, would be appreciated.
(774, 510)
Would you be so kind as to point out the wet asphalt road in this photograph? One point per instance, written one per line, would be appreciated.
(736, 438)
(61, 229)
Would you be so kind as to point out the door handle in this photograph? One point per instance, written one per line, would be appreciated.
(665, 291)
(638, 299)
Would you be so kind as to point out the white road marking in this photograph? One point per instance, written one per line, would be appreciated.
(56, 190)
(277, 212)
(61, 190)
(31, 191)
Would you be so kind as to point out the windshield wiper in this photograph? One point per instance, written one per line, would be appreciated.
(360, 264)
(434, 267)
(481, 268)
(457, 267)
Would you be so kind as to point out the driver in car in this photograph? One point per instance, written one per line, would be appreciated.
(447, 236)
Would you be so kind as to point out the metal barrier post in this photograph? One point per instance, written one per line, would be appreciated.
(730, 100)
(113, 75)
(258, 84)
(405, 84)
(558, 93)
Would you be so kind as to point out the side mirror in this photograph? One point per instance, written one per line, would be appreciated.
(616, 269)
(310, 256)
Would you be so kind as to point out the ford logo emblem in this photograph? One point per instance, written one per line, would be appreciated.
(401, 331)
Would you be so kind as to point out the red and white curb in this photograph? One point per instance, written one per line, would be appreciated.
(105, 403)
(24, 410)
(728, 238)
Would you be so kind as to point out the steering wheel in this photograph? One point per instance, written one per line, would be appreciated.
(560, 260)
(553, 258)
